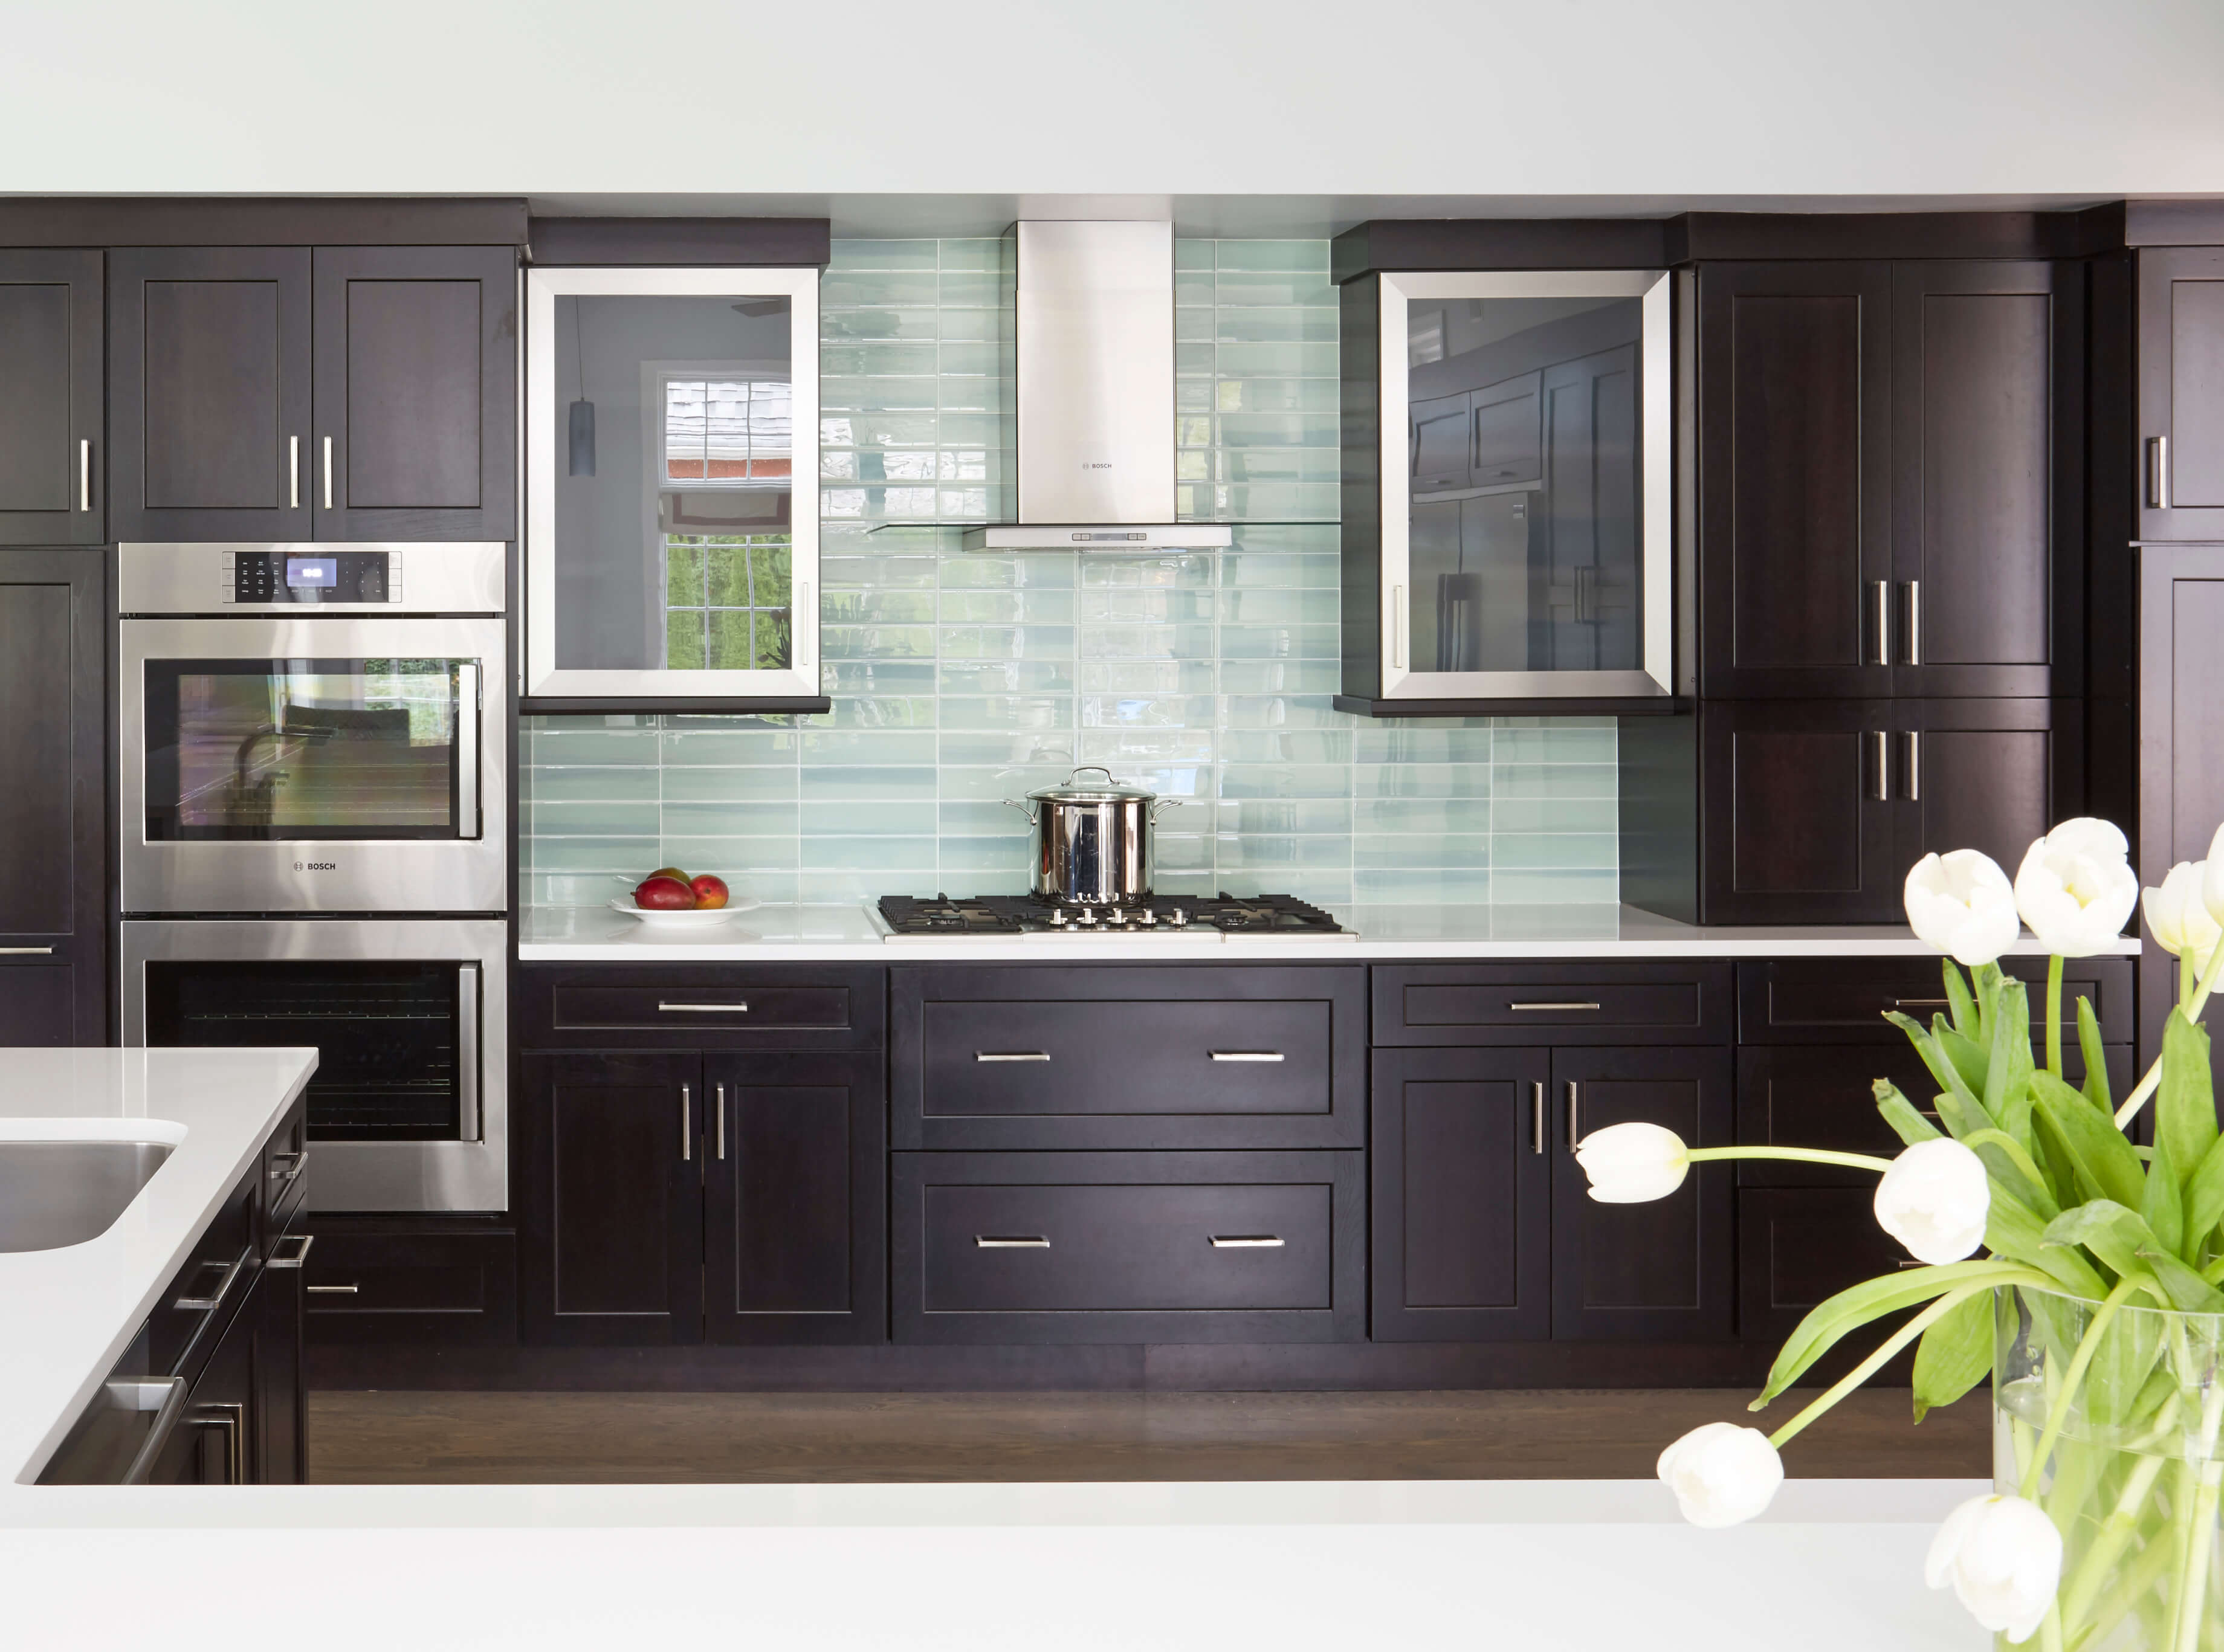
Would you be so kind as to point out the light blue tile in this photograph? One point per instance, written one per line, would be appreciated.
(1178, 677)
(635, 783)
(877, 855)
(1244, 780)
(731, 857)
(1321, 887)
(1256, 467)
(1553, 780)
(1284, 816)
(991, 253)
(1006, 676)
(1556, 814)
(728, 749)
(1567, 743)
(1424, 779)
(1047, 571)
(1280, 361)
(857, 747)
(876, 641)
(729, 817)
(600, 747)
(1190, 254)
(848, 255)
(1278, 430)
(1019, 749)
(1146, 711)
(852, 888)
(1567, 851)
(875, 573)
(1466, 815)
(876, 711)
(1236, 289)
(843, 326)
(1256, 852)
(1252, 676)
(882, 677)
(1157, 608)
(1423, 888)
(770, 887)
(1135, 641)
(553, 819)
(761, 784)
(1307, 608)
(1010, 607)
(830, 785)
(1263, 325)
(1017, 712)
(1286, 745)
(1122, 748)
(612, 854)
(1004, 860)
(1399, 743)
(1467, 852)
(1193, 571)
(853, 819)
(900, 287)
(1280, 642)
(1275, 257)
(1572, 887)
(1281, 711)
(1270, 395)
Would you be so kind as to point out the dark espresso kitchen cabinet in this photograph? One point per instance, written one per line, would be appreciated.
(350, 392)
(53, 797)
(52, 453)
(414, 405)
(2181, 392)
(209, 382)
(721, 1198)
(2181, 756)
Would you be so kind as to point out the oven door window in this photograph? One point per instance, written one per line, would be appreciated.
(322, 749)
(386, 1036)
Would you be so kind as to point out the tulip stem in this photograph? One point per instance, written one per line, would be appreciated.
(1869, 1367)
(2151, 1079)
(2053, 1013)
(2058, 1413)
(1803, 1155)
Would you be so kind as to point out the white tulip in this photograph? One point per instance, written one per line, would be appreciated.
(2004, 1558)
(2212, 877)
(1722, 1474)
(2178, 914)
(2076, 888)
(1633, 1164)
(1962, 903)
(1934, 1200)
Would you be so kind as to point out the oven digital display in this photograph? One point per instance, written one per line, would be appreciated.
(312, 573)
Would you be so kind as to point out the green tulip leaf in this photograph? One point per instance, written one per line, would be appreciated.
(2163, 1208)
(1963, 1114)
(1958, 998)
(2054, 1154)
(2204, 1201)
(2009, 1060)
(1854, 1307)
(2096, 1058)
(2103, 1158)
(2013, 1230)
(1954, 1355)
(1984, 981)
(2185, 1104)
(2186, 1290)
(2123, 1361)
(1967, 1057)
(1908, 1123)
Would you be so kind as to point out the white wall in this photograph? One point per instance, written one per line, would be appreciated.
(1466, 97)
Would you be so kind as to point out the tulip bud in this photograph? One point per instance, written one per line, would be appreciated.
(1633, 1164)
(1934, 1200)
(1722, 1474)
(1962, 902)
(2178, 915)
(2004, 1558)
(2076, 888)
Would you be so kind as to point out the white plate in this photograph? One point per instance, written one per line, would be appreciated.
(686, 917)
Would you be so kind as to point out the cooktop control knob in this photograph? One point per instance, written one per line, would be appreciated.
(1058, 918)
(1088, 916)
(1116, 919)
(1178, 918)
(1147, 918)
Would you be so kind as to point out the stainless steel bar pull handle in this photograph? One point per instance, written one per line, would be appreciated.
(85, 473)
(1574, 1133)
(1881, 590)
(1537, 1118)
(1011, 1055)
(25, 952)
(1010, 1242)
(331, 1291)
(2157, 473)
(703, 1009)
(305, 1242)
(292, 1170)
(1571, 1004)
(1398, 628)
(215, 1298)
(1914, 622)
(1912, 775)
(1881, 786)
(686, 1122)
(469, 708)
(719, 1101)
(328, 473)
(230, 1415)
(1247, 1055)
(1246, 1242)
(293, 473)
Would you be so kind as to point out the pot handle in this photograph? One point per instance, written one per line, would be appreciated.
(1022, 808)
(1166, 803)
(1091, 768)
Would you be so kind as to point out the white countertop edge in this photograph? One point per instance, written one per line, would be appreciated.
(1264, 1502)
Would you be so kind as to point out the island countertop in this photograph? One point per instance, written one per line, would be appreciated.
(855, 934)
(69, 1313)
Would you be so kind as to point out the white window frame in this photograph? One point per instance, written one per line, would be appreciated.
(542, 677)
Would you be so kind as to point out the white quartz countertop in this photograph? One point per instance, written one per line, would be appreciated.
(67, 1313)
(854, 934)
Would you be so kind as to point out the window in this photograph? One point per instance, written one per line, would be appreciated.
(729, 601)
(728, 432)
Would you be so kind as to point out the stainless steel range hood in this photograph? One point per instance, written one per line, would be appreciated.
(1095, 393)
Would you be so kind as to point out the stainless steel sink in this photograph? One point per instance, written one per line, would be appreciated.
(54, 1193)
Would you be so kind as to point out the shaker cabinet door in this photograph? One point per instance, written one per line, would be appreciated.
(1986, 774)
(1657, 1272)
(53, 456)
(1794, 481)
(1987, 392)
(2181, 396)
(416, 391)
(209, 392)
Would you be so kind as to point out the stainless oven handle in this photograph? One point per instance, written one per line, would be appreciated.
(467, 1052)
(468, 712)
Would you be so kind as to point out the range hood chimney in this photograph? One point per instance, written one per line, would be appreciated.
(1095, 393)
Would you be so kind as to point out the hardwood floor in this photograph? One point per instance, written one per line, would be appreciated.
(391, 1437)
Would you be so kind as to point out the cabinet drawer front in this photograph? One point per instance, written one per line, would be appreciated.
(1147, 1059)
(1096, 1249)
(199, 1301)
(1799, 1246)
(1009, 1059)
(1844, 1001)
(409, 1287)
(619, 1006)
(1592, 1003)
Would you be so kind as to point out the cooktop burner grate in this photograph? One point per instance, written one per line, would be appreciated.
(1160, 915)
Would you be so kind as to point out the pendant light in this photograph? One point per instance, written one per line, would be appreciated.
(583, 411)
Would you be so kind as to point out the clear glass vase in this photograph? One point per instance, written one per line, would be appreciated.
(2123, 1418)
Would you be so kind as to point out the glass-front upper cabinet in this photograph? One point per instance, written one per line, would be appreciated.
(1526, 530)
(672, 521)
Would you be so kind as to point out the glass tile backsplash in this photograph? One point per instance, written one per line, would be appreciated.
(961, 680)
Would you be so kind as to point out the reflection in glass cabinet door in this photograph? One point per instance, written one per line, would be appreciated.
(672, 527)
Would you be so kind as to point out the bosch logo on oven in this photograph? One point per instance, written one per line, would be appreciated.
(316, 865)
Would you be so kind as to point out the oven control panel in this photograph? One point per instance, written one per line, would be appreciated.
(290, 575)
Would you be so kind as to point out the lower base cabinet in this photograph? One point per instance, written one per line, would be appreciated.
(449, 1280)
(1261, 1246)
(1482, 1226)
(705, 1198)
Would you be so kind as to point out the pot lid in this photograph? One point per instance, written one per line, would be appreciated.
(1111, 791)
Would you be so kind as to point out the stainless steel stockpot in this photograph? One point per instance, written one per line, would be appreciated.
(1092, 842)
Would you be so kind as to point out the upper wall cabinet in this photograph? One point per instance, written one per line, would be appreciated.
(672, 522)
(2181, 396)
(1890, 476)
(350, 392)
(51, 462)
(1507, 520)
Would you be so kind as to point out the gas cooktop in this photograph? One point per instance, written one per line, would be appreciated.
(1225, 914)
